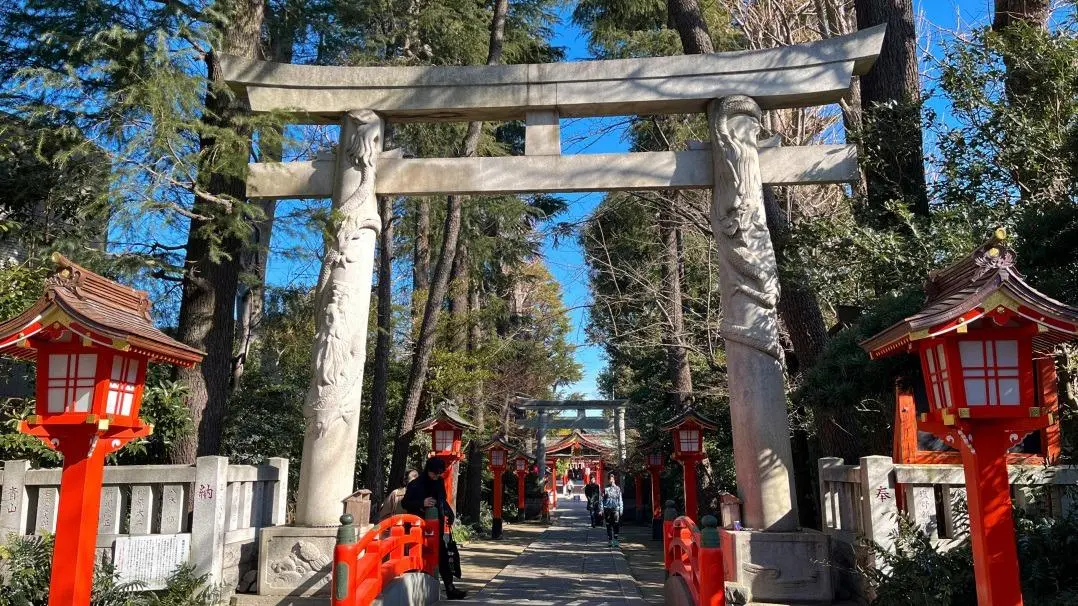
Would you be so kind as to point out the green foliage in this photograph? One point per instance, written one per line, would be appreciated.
(920, 574)
(27, 566)
(163, 406)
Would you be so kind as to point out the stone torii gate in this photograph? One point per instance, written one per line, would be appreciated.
(546, 420)
(732, 88)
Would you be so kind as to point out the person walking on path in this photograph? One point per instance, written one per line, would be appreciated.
(612, 508)
(426, 491)
(595, 506)
(392, 505)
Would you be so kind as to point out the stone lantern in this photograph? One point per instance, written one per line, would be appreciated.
(688, 431)
(498, 453)
(91, 339)
(984, 338)
(655, 461)
(446, 428)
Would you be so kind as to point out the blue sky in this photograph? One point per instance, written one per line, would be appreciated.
(565, 260)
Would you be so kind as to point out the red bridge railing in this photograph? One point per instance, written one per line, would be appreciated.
(695, 555)
(362, 568)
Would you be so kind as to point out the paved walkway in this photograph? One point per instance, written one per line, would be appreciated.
(568, 565)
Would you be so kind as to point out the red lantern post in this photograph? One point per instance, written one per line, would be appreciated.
(446, 428)
(655, 467)
(91, 339)
(979, 337)
(688, 431)
(498, 451)
(520, 466)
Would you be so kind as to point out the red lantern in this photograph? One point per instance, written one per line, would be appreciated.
(91, 339)
(980, 336)
(446, 429)
(688, 432)
(498, 450)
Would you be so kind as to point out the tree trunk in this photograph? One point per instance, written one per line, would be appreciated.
(424, 345)
(457, 327)
(420, 262)
(251, 303)
(1033, 12)
(383, 346)
(890, 98)
(207, 308)
(686, 18)
(677, 354)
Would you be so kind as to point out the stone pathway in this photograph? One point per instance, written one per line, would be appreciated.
(568, 565)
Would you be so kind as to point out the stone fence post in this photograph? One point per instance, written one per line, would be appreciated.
(879, 512)
(208, 520)
(15, 501)
(279, 498)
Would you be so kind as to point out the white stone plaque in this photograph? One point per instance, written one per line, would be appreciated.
(150, 559)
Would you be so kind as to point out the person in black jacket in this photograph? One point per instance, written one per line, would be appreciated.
(592, 494)
(428, 490)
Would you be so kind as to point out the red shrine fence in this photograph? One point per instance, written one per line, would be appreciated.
(364, 568)
(693, 560)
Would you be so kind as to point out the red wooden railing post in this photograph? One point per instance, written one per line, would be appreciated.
(345, 560)
(431, 535)
(669, 515)
(496, 527)
(711, 574)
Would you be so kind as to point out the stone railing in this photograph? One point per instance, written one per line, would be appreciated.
(154, 517)
(861, 503)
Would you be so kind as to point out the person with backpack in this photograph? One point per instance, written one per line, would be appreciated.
(612, 509)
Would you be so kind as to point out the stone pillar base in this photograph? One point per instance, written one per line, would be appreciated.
(296, 560)
(783, 567)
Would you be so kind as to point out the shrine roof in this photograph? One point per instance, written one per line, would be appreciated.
(446, 414)
(579, 439)
(496, 442)
(964, 292)
(687, 415)
(92, 308)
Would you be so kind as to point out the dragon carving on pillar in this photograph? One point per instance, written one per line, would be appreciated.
(341, 327)
(748, 272)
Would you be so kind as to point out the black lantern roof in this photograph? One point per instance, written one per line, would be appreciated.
(445, 414)
(973, 287)
(687, 415)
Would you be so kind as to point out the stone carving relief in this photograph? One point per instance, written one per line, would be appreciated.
(341, 332)
(751, 290)
(303, 562)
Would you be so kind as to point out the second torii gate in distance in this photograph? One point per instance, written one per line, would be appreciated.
(546, 420)
(733, 89)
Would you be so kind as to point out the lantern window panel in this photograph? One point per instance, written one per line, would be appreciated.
(939, 376)
(990, 372)
(443, 440)
(70, 383)
(690, 440)
(123, 382)
(497, 458)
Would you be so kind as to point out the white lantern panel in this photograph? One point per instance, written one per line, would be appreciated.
(976, 392)
(122, 387)
(1007, 354)
(690, 439)
(972, 353)
(443, 440)
(1009, 392)
(70, 382)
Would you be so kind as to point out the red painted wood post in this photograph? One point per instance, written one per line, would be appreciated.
(431, 535)
(638, 496)
(988, 489)
(521, 505)
(656, 506)
(345, 561)
(688, 470)
(712, 575)
(496, 529)
(669, 515)
(80, 504)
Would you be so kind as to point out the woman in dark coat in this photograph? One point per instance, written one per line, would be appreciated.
(428, 490)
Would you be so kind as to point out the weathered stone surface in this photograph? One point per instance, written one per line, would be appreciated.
(791, 76)
(748, 281)
(342, 304)
(778, 566)
(411, 589)
(295, 561)
(639, 171)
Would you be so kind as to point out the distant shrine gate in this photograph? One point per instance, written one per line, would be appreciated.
(731, 88)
